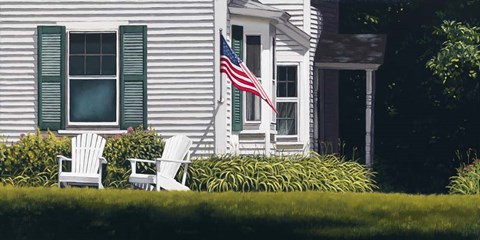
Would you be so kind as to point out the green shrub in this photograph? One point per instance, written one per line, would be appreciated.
(329, 173)
(467, 180)
(32, 161)
(135, 144)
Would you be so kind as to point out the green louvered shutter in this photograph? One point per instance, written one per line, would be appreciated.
(237, 96)
(51, 77)
(133, 58)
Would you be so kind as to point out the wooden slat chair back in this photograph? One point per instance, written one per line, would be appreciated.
(86, 150)
(176, 148)
(175, 153)
(86, 162)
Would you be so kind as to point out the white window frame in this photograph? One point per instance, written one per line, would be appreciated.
(245, 121)
(290, 99)
(91, 77)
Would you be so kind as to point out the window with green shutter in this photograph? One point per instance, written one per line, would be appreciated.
(237, 99)
(80, 83)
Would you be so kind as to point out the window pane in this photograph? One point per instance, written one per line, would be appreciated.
(109, 44)
(282, 73)
(77, 66)
(292, 89)
(292, 74)
(288, 110)
(77, 43)
(93, 100)
(282, 89)
(253, 55)
(108, 65)
(93, 43)
(290, 127)
(253, 107)
(281, 127)
(93, 65)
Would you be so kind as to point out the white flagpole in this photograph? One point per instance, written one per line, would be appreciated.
(221, 100)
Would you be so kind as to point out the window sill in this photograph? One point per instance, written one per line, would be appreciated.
(279, 142)
(80, 131)
(252, 122)
(252, 132)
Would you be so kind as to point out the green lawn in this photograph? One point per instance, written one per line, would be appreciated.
(51, 213)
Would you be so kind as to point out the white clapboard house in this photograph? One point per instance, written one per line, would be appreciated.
(76, 66)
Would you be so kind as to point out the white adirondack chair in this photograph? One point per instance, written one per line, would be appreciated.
(175, 151)
(86, 161)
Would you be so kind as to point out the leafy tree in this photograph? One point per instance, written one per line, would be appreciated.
(457, 63)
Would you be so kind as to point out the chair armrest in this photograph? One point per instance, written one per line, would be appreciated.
(61, 158)
(133, 162)
(140, 160)
(103, 160)
(172, 160)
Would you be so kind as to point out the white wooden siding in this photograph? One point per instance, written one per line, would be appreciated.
(180, 60)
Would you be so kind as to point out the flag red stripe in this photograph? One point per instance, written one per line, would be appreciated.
(239, 76)
(235, 80)
(243, 78)
(241, 86)
(239, 71)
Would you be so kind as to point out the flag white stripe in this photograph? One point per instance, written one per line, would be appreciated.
(243, 77)
(251, 88)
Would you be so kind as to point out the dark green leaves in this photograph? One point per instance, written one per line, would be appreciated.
(459, 58)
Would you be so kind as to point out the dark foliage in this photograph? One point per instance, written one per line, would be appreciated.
(418, 126)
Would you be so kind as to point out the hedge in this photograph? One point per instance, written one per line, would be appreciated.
(32, 162)
(77, 213)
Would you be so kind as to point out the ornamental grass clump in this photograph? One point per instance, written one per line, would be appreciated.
(327, 173)
(467, 180)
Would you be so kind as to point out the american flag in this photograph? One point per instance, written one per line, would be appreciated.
(241, 77)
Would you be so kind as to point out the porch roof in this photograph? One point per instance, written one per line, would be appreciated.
(350, 51)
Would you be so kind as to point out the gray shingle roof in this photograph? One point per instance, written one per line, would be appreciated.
(351, 48)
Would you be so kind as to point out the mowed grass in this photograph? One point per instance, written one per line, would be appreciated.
(78, 213)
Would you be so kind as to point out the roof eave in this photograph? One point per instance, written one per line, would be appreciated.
(280, 20)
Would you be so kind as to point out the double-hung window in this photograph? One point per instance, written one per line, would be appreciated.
(253, 62)
(92, 78)
(287, 100)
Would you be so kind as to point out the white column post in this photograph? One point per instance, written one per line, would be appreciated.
(220, 111)
(369, 118)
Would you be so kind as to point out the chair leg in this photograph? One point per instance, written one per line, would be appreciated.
(59, 184)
